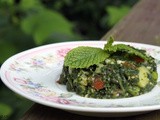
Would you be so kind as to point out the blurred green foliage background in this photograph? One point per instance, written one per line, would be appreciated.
(25, 24)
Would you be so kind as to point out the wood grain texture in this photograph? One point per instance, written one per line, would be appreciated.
(40, 112)
(141, 25)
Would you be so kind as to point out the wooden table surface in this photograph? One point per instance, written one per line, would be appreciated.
(141, 25)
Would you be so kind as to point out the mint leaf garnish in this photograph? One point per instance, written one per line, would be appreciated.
(122, 47)
(83, 57)
(109, 43)
(129, 49)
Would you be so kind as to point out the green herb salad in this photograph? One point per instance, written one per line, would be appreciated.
(116, 71)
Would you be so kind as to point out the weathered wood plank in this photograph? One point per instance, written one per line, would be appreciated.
(141, 25)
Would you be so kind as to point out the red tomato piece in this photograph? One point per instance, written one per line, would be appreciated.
(138, 59)
(98, 84)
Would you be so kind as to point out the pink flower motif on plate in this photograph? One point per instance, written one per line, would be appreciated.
(58, 100)
(62, 52)
(38, 63)
(17, 67)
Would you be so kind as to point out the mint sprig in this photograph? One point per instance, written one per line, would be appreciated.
(110, 48)
(109, 43)
(83, 57)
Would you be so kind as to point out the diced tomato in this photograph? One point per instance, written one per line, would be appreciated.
(138, 59)
(98, 84)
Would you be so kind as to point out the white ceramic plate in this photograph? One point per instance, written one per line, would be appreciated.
(34, 74)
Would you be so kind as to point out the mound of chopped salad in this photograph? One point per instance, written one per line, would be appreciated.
(123, 71)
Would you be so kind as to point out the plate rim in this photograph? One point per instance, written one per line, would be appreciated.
(77, 108)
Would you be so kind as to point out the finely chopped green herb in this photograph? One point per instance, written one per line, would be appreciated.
(120, 71)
